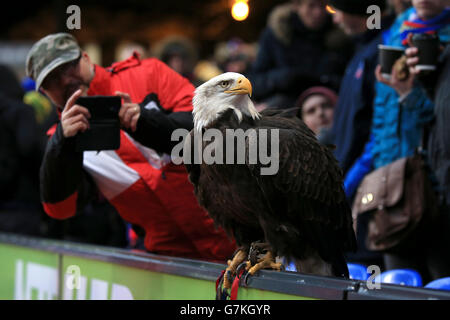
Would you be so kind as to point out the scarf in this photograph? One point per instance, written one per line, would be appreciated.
(416, 25)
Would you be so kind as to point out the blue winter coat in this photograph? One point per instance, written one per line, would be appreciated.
(397, 124)
(353, 114)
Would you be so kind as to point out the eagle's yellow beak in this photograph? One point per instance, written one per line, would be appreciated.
(243, 86)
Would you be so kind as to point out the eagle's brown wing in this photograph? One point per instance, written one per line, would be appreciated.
(305, 166)
(306, 196)
(192, 168)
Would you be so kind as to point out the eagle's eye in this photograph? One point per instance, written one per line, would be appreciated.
(224, 83)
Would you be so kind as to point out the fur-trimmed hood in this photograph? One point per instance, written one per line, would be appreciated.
(280, 21)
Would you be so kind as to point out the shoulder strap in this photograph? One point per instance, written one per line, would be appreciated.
(424, 140)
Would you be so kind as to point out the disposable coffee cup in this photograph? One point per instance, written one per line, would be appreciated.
(388, 56)
(428, 46)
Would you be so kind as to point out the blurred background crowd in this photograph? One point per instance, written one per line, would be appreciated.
(317, 59)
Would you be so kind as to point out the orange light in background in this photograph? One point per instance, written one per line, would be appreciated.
(240, 10)
(330, 9)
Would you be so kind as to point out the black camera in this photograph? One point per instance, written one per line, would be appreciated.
(104, 131)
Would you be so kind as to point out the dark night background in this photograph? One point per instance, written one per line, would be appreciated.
(107, 23)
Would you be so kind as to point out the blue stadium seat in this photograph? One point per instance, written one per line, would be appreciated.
(289, 265)
(440, 284)
(404, 277)
(357, 271)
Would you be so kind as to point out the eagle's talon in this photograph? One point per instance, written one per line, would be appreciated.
(219, 291)
(239, 268)
(266, 262)
(229, 275)
(277, 266)
(227, 279)
(246, 278)
(224, 294)
(233, 264)
(245, 265)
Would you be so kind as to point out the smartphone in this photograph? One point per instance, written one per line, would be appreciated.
(104, 131)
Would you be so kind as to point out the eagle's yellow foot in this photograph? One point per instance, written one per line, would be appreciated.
(238, 258)
(266, 262)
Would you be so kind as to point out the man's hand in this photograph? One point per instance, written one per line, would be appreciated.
(401, 87)
(74, 118)
(129, 112)
(412, 54)
(412, 59)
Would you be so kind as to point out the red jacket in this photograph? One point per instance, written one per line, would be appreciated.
(139, 179)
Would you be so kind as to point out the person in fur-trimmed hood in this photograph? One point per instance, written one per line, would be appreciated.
(298, 49)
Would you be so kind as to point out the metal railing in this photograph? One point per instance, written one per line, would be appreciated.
(287, 283)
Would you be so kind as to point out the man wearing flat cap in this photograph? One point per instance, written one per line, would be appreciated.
(138, 179)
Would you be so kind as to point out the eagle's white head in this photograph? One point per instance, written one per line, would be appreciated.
(226, 91)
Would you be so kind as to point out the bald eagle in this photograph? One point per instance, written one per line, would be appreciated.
(300, 212)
